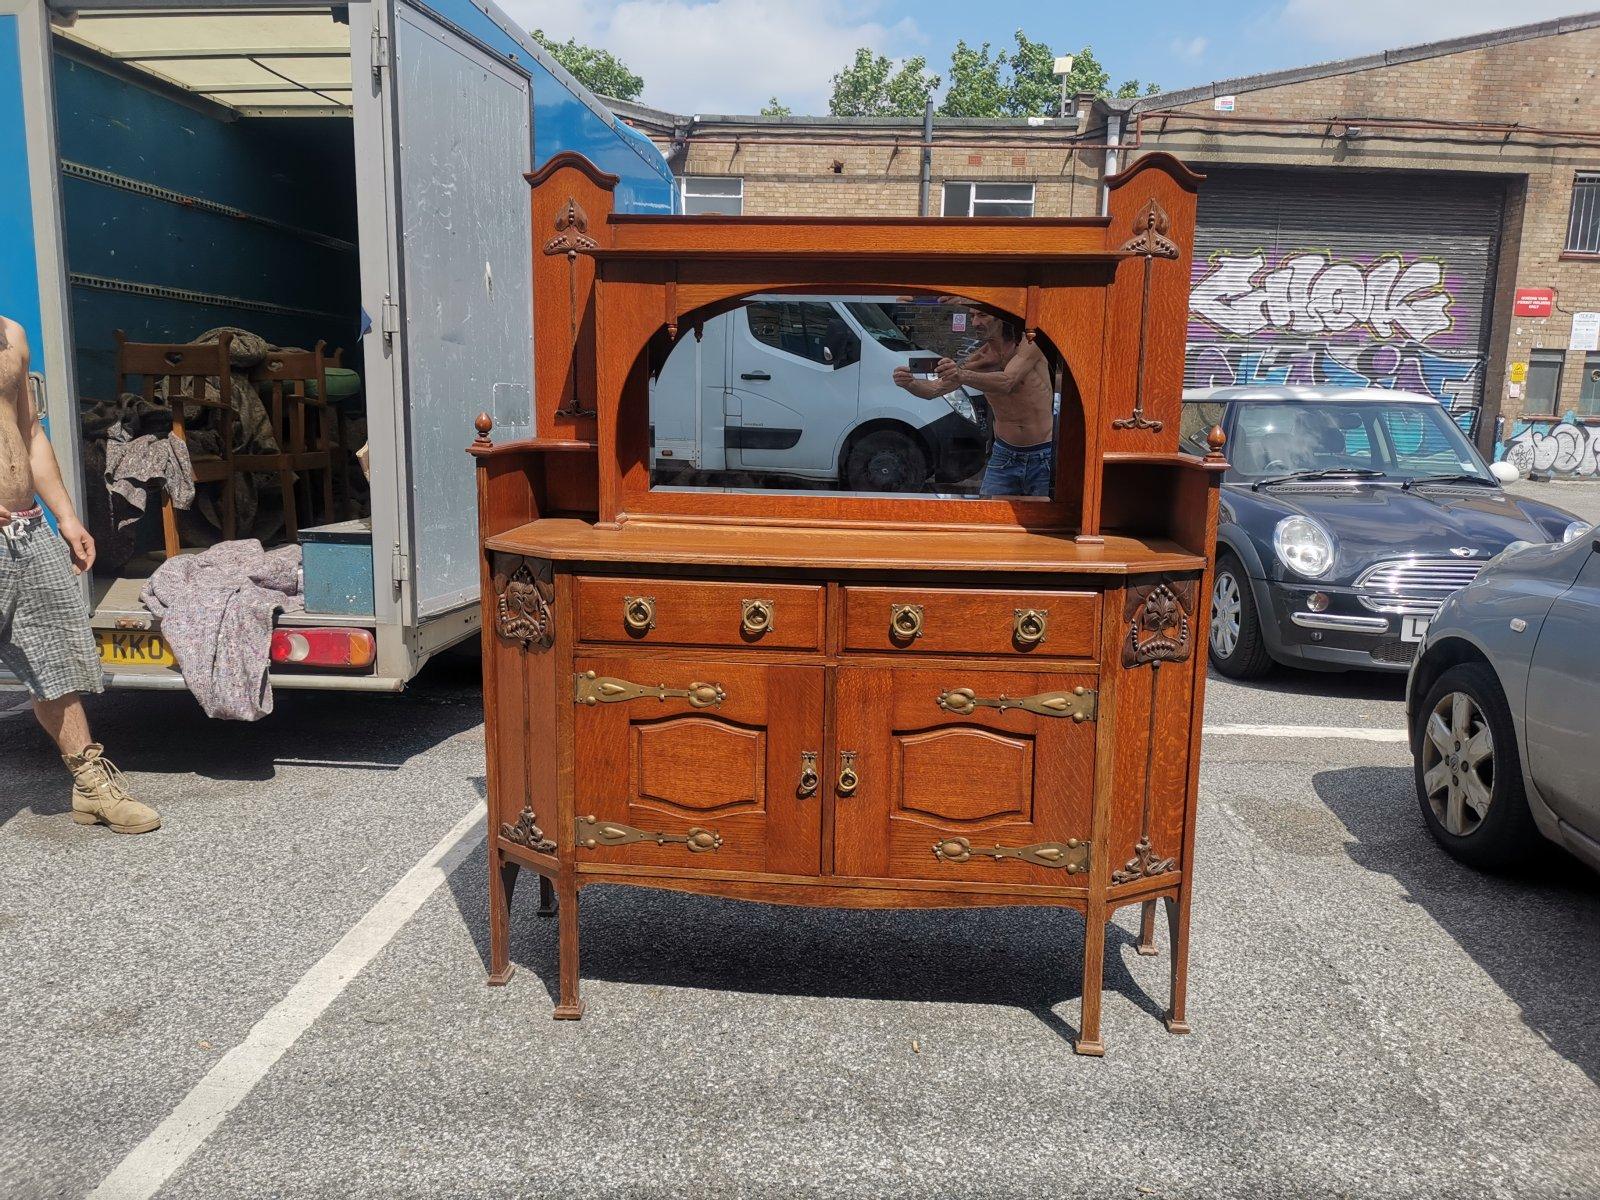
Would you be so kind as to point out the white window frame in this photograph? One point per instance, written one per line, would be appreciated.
(975, 204)
(685, 191)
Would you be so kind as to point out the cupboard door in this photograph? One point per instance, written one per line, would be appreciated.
(698, 763)
(942, 779)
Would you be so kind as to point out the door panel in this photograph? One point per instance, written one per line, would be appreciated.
(794, 406)
(1563, 685)
(928, 775)
(465, 138)
(726, 760)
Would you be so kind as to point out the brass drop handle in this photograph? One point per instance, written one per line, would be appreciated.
(639, 613)
(757, 618)
(849, 780)
(808, 773)
(905, 621)
(1030, 625)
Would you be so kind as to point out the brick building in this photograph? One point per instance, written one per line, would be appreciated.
(1425, 218)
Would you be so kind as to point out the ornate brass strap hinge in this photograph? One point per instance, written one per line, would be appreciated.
(1071, 855)
(593, 832)
(589, 688)
(1079, 703)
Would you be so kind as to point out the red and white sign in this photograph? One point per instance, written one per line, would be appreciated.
(1534, 302)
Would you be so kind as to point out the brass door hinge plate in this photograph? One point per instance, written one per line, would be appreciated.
(1079, 703)
(589, 688)
(1070, 855)
(593, 832)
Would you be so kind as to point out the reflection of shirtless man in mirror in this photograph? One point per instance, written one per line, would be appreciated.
(1014, 376)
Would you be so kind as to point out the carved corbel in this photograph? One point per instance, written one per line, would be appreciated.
(525, 601)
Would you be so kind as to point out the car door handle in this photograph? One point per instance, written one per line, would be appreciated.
(754, 375)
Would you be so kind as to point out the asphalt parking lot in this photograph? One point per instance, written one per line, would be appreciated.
(1370, 1019)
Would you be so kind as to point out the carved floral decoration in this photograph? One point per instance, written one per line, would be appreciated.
(1159, 622)
(572, 230)
(525, 607)
(525, 832)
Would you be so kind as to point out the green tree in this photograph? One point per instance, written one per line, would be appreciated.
(872, 86)
(772, 108)
(598, 70)
(975, 87)
(1034, 90)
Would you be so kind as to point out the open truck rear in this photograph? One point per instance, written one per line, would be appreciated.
(350, 174)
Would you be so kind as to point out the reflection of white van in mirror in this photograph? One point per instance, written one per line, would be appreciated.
(799, 386)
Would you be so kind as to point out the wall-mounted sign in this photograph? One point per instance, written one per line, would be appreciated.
(1585, 331)
(1519, 372)
(1534, 302)
(1223, 104)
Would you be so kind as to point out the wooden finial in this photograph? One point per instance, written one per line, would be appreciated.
(483, 423)
(1216, 440)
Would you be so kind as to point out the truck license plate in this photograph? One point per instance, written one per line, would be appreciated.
(1413, 629)
(134, 650)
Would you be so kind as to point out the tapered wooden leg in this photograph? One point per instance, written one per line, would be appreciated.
(1147, 929)
(1178, 932)
(571, 1007)
(547, 897)
(502, 882)
(1094, 954)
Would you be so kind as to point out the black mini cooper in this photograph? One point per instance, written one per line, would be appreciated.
(1347, 516)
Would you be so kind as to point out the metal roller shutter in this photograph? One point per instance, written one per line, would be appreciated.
(1339, 278)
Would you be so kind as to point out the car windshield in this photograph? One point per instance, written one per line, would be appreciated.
(1403, 440)
(876, 322)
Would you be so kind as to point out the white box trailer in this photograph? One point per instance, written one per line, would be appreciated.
(293, 167)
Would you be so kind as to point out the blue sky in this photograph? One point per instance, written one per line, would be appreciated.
(731, 55)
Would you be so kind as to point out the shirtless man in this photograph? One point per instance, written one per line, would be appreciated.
(1014, 376)
(45, 640)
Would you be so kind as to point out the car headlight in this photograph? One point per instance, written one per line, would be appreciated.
(1574, 531)
(1303, 546)
(962, 403)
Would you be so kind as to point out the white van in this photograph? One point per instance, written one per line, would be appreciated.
(799, 386)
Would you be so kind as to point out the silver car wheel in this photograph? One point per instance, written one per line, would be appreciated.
(1227, 610)
(1458, 763)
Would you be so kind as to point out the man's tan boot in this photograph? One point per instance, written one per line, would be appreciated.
(98, 794)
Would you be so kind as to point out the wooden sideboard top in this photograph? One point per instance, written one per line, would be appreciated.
(743, 545)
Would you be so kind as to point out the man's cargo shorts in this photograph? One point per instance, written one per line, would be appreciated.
(45, 640)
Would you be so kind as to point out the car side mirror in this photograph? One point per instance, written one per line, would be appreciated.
(849, 353)
(1505, 472)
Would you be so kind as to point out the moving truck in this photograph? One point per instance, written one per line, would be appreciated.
(350, 174)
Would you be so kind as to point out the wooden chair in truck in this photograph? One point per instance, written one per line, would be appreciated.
(306, 424)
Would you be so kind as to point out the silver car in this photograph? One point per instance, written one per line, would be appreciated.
(1503, 703)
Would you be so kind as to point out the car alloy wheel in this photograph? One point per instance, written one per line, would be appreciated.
(1227, 612)
(1458, 763)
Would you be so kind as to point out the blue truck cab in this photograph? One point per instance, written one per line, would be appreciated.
(348, 174)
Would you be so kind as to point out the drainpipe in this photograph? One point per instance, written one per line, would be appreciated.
(1113, 141)
(927, 159)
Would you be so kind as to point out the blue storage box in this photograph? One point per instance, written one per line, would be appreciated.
(336, 562)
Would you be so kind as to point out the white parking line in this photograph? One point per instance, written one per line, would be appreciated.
(1311, 732)
(153, 1161)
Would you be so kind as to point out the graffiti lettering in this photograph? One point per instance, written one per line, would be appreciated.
(1563, 449)
(1312, 294)
(1403, 366)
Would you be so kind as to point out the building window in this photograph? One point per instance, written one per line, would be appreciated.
(713, 194)
(1589, 397)
(1583, 227)
(988, 199)
(1544, 382)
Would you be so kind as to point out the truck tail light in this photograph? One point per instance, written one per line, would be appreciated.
(310, 646)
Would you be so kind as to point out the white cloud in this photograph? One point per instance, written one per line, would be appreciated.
(1364, 25)
(1191, 49)
(712, 56)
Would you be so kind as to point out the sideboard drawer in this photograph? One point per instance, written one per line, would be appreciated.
(681, 612)
(971, 621)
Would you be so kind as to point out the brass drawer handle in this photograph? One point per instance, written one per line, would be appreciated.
(808, 773)
(1079, 703)
(905, 621)
(1030, 626)
(849, 779)
(639, 613)
(757, 617)
(593, 832)
(1071, 854)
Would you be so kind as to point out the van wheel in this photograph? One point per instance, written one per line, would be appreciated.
(885, 460)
